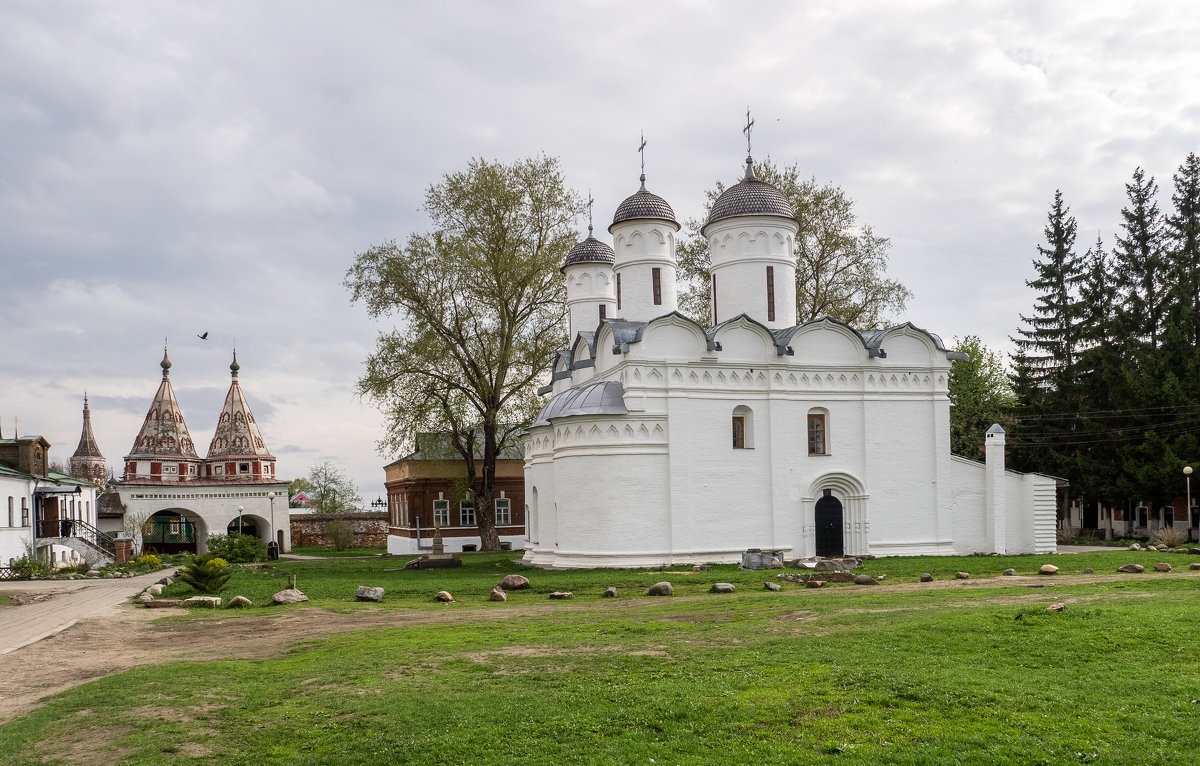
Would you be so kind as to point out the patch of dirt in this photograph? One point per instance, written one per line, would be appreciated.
(88, 745)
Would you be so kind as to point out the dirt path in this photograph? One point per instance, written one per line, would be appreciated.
(127, 636)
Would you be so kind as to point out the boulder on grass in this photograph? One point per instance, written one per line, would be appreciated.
(155, 590)
(660, 589)
(444, 596)
(926, 577)
(163, 603)
(1056, 608)
(497, 594)
(772, 586)
(1162, 566)
(165, 581)
(367, 593)
(144, 596)
(1194, 565)
(240, 602)
(610, 592)
(289, 596)
(1134, 547)
(1048, 569)
(202, 602)
(962, 576)
(514, 582)
(1131, 568)
(1009, 573)
(559, 595)
(863, 579)
(723, 587)
(701, 568)
(814, 583)
(1089, 570)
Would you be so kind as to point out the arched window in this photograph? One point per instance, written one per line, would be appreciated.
(818, 431)
(742, 427)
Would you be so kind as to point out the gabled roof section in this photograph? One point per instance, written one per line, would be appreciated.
(874, 338)
(787, 334)
(237, 433)
(624, 332)
(87, 440)
(779, 337)
(164, 433)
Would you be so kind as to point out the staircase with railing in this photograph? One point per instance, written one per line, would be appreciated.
(78, 535)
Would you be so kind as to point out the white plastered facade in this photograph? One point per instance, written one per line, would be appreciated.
(665, 481)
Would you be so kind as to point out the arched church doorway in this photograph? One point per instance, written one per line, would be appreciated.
(169, 531)
(830, 541)
(243, 526)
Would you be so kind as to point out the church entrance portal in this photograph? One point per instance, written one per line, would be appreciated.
(830, 541)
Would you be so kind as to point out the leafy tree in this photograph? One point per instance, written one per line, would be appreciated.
(332, 491)
(980, 395)
(841, 264)
(298, 485)
(480, 308)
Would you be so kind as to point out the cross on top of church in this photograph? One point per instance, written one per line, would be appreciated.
(642, 151)
(591, 201)
(747, 129)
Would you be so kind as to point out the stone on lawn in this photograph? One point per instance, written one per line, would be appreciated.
(1048, 569)
(814, 583)
(367, 593)
(444, 596)
(1131, 568)
(701, 568)
(165, 581)
(155, 590)
(926, 577)
(881, 577)
(1194, 551)
(1134, 547)
(92, 573)
(240, 602)
(1056, 608)
(772, 586)
(1194, 565)
(828, 565)
(203, 602)
(1009, 573)
(514, 582)
(723, 587)
(498, 594)
(962, 576)
(163, 603)
(145, 596)
(560, 595)
(863, 579)
(610, 592)
(660, 589)
(289, 596)
(1162, 566)
(1152, 548)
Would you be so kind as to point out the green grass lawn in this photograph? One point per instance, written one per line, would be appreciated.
(845, 675)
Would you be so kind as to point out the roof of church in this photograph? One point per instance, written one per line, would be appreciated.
(606, 397)
(87, 440)
(590, 250)
(749, 196)
(164, 432)
(643, 204)
(237, 433)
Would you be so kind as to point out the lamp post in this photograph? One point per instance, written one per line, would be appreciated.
(271, 497)
(240, 509)
(1187, 477)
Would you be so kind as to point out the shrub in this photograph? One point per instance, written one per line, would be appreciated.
(1172, 537)
(340, 533)
(148, 559)
(237, 548)
(206, 574)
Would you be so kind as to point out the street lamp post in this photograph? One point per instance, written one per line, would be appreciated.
(240, 509)
(271, 497)
(1187, 477)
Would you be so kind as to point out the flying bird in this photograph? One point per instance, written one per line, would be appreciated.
(204, 336)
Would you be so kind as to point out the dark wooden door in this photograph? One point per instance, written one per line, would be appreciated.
(830, 542)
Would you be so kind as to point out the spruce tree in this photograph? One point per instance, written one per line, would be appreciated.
(1183, 244)
(1139, 267)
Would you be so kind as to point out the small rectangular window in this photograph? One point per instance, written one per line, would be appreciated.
(466, 514)
(441, 513)
(503, 512)
(618, 292)
(656, 278)
(24, 511)
(770, 293)
(603, 311)
(739, 432)
(816, 434)
(11, 515)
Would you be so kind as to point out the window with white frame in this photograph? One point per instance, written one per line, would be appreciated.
(441, 513)
(503, 511)
(466, 513)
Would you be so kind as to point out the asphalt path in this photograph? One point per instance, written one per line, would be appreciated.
(71, 600)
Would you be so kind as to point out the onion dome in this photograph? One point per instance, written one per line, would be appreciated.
(590, 250)
(164, 432)
(644, 204)
(749, 196)
(237, 433)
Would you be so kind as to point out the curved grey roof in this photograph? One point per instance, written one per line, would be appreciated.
(606, 397)
(643, 204)
(590, 250)
(749, 196)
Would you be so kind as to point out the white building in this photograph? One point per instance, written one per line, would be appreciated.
(666, 442)
(186, 498)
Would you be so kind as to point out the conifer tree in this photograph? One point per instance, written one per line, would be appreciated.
(1139, 265)
(1183, 238)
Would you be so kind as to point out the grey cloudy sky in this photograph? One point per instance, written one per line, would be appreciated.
(173, 168)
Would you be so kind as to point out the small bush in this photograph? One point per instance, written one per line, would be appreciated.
(1172, 537)
(148, 559)
(206, 574)
(340, 533)
(237, 548)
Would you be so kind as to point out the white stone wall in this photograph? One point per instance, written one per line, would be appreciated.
(641, 246)
(212, 507)
(741, 249)
(407, 546)
(589, 286)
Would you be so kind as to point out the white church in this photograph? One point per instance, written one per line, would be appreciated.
(665, 442)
